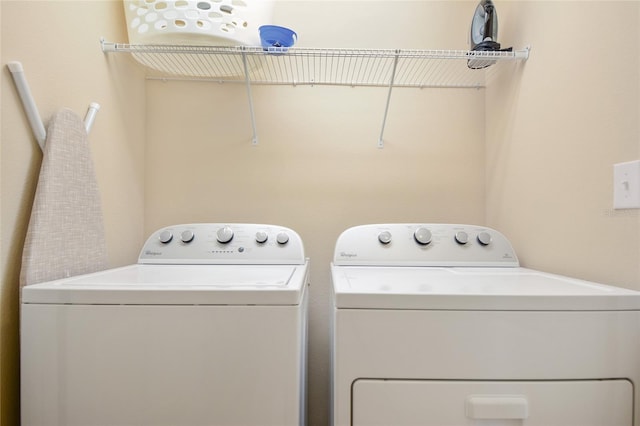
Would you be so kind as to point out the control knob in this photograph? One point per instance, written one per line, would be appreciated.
(187, 236)
(384, 237)
(165, 236)
(282, 238)
(462, 237)
(224, 235)
(422, 236)
(484, 238)
(261, 237)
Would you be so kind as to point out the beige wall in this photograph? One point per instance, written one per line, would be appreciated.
(556, 127)
(58, 45)
(317, 168)
(531, 155)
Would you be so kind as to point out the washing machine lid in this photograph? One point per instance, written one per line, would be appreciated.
(143, 284)
(491, 289)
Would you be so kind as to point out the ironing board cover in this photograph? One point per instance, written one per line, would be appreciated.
(65, 236)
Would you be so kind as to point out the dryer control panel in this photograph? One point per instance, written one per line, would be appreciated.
(415, 244)
(223, 243)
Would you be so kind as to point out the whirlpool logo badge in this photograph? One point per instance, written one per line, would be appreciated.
(348, 255)
(153, 253)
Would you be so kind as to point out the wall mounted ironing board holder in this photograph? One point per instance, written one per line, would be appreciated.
(20, 81)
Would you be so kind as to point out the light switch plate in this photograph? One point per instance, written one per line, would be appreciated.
(626, 185)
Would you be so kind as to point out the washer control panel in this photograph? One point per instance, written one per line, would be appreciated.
(414, 244)
(223, 243)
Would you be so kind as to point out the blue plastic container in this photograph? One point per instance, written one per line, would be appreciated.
(273, 36)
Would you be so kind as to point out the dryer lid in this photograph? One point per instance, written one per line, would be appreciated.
(491, 289)
(177, 285)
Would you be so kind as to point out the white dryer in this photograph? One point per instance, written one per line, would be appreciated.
(208, 328)
(437, 325)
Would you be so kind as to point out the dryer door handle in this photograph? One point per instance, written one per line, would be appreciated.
(496, 407)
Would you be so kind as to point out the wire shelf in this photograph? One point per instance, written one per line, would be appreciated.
(313, 66)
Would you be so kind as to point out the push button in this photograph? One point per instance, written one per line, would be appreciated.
(484, 238)
(187, 236)
(384, 237)
(165, 236)
(462, 237)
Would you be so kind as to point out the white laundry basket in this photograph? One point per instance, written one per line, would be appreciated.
(211, 22)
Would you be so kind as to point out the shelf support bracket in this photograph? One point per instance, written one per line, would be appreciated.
(254, 140)
(386, 109)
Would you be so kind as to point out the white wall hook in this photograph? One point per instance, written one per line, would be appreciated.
(91, 116)
(27, 101)
(17, 72)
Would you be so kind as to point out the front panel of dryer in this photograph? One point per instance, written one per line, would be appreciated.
(438, 325)
(477, 403)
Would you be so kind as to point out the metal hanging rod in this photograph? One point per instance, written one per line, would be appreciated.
(17, 72)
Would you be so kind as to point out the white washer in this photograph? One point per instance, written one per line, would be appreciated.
(437, 325)
(208, 328)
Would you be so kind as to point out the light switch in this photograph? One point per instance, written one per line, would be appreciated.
(626, 185)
